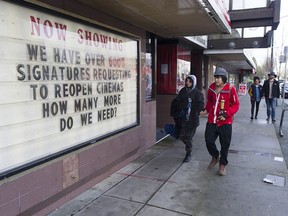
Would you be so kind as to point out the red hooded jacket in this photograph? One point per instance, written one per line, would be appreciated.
(231, 106)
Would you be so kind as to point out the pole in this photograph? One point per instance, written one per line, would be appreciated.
(283, 101)
(283, 92)
(272, 50)
(285, 58)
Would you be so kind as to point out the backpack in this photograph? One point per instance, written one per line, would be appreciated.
(178, 109)
(174, 107)
(170, 129)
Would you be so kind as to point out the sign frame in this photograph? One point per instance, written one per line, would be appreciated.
(30, 164)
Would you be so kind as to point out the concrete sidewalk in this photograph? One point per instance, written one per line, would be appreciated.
(158, 183)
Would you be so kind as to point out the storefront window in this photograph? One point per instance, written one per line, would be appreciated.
(183, 67)
(183, 70)
(148, 67)
(232, 79)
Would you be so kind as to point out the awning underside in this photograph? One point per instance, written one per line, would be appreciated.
(166, 18)
(232, 60)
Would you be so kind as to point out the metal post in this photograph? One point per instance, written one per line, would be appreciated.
(283, 60)
(272, 51)
(283, 92)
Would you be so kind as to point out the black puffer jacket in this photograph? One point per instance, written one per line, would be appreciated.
(181, 102)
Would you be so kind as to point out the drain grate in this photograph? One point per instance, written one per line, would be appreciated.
(235, 151)
(275, 180)
(250, 153)
(262, 154)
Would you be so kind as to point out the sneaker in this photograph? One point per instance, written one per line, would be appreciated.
(213, 162)
(251, 117)
(273, 120)
(222, 170)
(267, 119)
(255, 117)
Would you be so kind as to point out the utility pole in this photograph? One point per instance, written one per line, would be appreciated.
(285, 57)
(272, 50)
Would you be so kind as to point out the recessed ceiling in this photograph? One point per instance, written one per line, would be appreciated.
(234, 60)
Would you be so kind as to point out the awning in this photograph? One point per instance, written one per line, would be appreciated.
(233, 60)
(168, 18)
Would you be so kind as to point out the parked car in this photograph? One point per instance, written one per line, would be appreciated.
(281, 88)
(285, 91)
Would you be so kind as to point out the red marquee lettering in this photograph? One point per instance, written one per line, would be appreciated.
(88, 37)
(61, 31)
(94, 39)
(104, 39)
(80, 39)
(35, 25)
(47, 27)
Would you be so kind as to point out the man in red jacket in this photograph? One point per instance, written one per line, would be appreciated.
(220, 118)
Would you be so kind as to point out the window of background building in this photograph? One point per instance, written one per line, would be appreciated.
(149, 67)
(248, 4)
(232, 78)
(255, 32)
(183, 70)
(183, 66)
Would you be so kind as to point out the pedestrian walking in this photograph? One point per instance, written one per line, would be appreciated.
(271, 92)
(222, 103)
(188, 105)
(255, 96)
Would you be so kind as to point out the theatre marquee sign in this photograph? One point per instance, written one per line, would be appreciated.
(63, 84)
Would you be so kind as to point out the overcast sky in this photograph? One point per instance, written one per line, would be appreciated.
(281, 33)
(280, 37)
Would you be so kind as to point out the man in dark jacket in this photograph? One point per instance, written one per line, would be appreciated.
(190, 102)
(271, 92)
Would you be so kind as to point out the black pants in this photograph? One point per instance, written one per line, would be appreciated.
(253, 102)
(186, 135)
(225, 134)
(177, 127)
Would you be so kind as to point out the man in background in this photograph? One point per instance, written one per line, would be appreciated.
(271, 92)
(255, 96)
